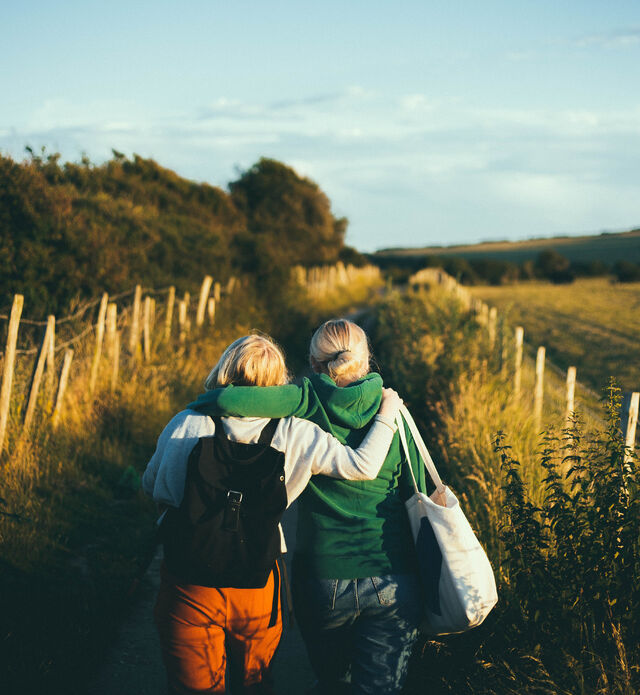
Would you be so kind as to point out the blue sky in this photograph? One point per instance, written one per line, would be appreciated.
(425, 123)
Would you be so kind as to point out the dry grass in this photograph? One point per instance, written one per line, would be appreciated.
(563, 623)
(75, 529)
(591, 324)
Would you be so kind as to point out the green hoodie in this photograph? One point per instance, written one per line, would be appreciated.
(346, 529)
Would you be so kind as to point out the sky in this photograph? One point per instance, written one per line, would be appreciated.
(426, 123)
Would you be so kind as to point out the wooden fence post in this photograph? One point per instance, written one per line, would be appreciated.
(187, 320)
(169, 315)
(9, 361)
(152, 315)
(629, 424)
(146, 328)
(202, 302)
(115, 361)
(504, 350)
(517, 377)
(95, 365)
(134, 335)
(113, 344)
(211, 310)
(182, 319)
(493, 322)
(539, 388)
(484, 314)
(112, 327)
(216, 291)
(37, 375)
(62, 387)
(571, 391)
(51, 361)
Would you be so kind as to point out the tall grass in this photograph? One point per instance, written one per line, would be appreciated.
(76, 532)
(558, 514)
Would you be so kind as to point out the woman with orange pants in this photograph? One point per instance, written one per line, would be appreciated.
(219, 593)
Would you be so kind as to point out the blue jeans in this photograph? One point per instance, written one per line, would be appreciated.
(358, 632)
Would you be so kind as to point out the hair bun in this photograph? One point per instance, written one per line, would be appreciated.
(340, 347)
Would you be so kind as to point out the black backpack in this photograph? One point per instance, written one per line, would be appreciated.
(226, 531)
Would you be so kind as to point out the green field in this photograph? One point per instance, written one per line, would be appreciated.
(592, 324)
(624, 246)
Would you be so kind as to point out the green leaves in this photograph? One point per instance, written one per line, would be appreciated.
(77, 230)
(560, 522)
(574, 561)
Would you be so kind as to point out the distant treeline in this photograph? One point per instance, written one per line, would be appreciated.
(548, 265)
(69, 231)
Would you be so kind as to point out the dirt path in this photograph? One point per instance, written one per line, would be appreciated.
(134, 665)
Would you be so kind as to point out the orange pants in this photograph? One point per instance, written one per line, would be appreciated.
(199, 626)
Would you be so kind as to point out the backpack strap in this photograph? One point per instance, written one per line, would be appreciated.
(267, 434)
(276, 595)
(269, 431)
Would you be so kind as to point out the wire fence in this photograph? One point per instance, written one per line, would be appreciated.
(111, 336)
(552, 391)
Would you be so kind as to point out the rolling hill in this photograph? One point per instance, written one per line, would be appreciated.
(607, 247)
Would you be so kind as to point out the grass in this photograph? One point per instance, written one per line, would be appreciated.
(76, 532)
(603, 247)
(592, 324)
(558, 514)
(562, 533)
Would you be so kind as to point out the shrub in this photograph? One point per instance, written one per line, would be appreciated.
(626, 271)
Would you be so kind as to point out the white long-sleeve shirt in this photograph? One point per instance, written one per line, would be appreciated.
(308, 450)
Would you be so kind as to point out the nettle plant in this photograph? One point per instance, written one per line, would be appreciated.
(573, 563)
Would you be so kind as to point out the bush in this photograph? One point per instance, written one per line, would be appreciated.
(626, 271)
(553, 266)
(495, 272)
(590, 268)
(561, 523)
(73, 231)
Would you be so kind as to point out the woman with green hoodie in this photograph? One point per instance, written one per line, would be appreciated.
(355, 581)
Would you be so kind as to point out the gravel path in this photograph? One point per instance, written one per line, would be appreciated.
(134, 665)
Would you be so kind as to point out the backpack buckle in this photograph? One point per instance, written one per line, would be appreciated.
(231, 519)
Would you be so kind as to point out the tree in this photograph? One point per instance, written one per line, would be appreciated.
(554, 266)
(626, 271)
(289, 216)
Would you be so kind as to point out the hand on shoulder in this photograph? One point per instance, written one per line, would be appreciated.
(390, 404)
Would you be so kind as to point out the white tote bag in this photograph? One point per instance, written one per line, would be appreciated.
(458, 582)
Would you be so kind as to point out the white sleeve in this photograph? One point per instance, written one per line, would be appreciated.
(309, 450)
(164, 477)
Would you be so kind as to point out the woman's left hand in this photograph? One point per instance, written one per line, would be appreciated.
(390, 404)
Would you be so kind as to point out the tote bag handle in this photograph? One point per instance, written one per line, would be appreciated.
(405, 415)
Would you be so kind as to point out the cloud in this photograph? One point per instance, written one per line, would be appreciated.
(233, 109)
(521, 56)
(425, 160)
(417, 103)
(615, 39)
(439, 136)
(308, 101)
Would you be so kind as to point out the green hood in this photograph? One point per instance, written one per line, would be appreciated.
(352, 406)
(335, 409)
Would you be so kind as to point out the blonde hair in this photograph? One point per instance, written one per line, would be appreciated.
(341, 350)
(254, 360)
